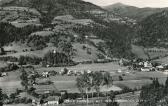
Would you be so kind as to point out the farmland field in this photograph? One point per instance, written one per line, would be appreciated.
(109, 67)
(10, 83)
(18, 105)
(139, 52)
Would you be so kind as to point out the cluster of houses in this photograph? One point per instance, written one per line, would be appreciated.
(146, 66)
(65, 71)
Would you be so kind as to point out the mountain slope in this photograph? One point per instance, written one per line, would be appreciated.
(54, 6)
(66, 22)
(133, 12)
(153, 30)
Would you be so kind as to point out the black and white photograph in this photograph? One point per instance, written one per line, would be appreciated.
(83, 52)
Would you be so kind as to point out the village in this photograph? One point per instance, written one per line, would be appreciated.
(39, 77)
(83, 53)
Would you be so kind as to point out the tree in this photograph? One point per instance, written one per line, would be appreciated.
(2, 51)
(166, 83)
(84, 84)
(24, 78)
(66, 47)
(1, 97)
(151, 94)
(98, 81)
(112, 102)
(91, 81)
(166, 87)
(22, 60)
(120, 78)
(107, 81)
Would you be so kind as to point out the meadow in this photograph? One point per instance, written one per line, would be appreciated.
(10, 83)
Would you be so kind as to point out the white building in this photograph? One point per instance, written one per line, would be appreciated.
(45, 74)
(147, 64)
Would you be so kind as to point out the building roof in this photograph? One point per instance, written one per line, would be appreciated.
(52, 98)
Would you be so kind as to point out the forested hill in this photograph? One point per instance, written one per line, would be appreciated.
(50, 22)
(133, 12)
(153, 30)
(51, 8)
(56, 7)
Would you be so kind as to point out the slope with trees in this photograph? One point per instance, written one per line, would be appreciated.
(133, 12)
(152, 30)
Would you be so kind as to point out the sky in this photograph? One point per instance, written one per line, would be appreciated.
(137, 3)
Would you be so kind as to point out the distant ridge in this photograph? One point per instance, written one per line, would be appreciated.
(132, 11)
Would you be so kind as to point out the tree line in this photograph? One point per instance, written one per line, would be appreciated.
(154, 94)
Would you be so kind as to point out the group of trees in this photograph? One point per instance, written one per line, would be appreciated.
(117, 37)
(93, 81)
(54, 58)
(63, 53)
(154, 94)
(9, 67)
(152, 31)
(9, 58)
(10, 33)
(37, 42)
(1, 97)
(24, 78)
(24, 60)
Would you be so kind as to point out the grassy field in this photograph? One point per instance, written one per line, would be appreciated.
(156, 52)
(138, 79)
(132, 80)
(162, 60)
(19, 105)
(68, 83)
(82, 55)
(10, 83)
(145, 53)
(3, 64)
(139, 52)
(109, 67)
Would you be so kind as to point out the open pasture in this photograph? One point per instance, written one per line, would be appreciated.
(139, 79)
(10, 83)
(109, 67)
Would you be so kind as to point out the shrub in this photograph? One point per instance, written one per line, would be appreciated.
(120, 78)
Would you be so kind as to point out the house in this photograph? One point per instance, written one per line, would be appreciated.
(148, 64)
(70, 72)
(140, 63)
(88, 71)
(145, 69)
(124, 62)
(64, 71)
(45, 74)
(119, 71)
(4, 74)
(52, 101)
(160, 68)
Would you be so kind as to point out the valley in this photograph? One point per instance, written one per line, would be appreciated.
(75, 53)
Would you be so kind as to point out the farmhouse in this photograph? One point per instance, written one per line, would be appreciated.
(52, 101)
(145, 69)
(123, 62)
(45, 74)
(4, 74)
(160, 68)
(147, 64)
